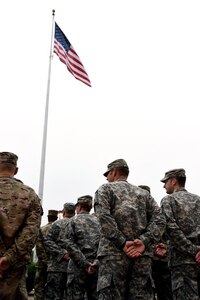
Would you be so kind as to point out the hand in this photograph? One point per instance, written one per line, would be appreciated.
(160, 250)
(1, 274)
(128, 244)
(197, 257)
(139, 248)
(91, 269)
(134, 248)
(66, 256)
(4, 264)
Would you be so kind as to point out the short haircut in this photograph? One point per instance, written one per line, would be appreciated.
(181, 180)
(123, 171)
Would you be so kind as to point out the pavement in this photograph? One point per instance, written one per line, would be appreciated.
(31, 296)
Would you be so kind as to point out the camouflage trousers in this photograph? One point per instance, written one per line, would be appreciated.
(56, 285)
(12, 284)
(81, 285)
(162, 279)
(22, 288)
(185, 281)
(123, 278)
(40, 281)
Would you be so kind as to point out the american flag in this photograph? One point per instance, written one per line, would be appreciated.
(67, 54)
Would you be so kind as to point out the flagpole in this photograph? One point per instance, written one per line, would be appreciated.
(44, 142)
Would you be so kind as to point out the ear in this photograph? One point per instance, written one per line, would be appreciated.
(115, 172)
(174, 181)
(16, 170)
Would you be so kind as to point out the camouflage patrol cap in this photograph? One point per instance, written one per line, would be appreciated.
(145, 187)
(87, 199)
(69, 206)
(52, 212)
(118, 163)
(8, 157)
(173, 173)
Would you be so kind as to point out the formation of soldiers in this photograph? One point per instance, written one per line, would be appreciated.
(128, 249)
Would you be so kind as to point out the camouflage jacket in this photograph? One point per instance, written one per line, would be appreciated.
(20, 218)
(56, 232)
(182, 211)
(40, 247)
(126, 212)
(83, 235)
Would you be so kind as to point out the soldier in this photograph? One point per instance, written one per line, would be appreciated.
(83, 234)
(182, 210)
(20, 218)
(41, 271)
(58, 256)
(160, 269)
(130, 223)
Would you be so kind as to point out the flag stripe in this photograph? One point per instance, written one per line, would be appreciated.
(68, 56)
(76, 71)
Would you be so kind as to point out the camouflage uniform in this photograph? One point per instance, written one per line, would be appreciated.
(41, 271)
(83, 234)
(162, 278)
(126, 212)
(57, 265)
(20, 217)
(160, 270)
(182, 211)
(23, 293)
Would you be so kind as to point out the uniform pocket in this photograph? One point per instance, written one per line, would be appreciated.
(176, 285)
(104, 281)
(70, 279)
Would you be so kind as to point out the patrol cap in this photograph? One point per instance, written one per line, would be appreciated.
(69, 206)
(52, 212)
(173, 173)
(118, 163)
(145, 187)
(87, 199)
(8, 157)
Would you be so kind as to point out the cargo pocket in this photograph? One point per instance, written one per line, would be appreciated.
(152, 282)
(178, 289)
(104, 282)
(70, 279)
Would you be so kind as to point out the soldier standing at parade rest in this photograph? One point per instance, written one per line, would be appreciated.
(42, 257)
(182, 210)
(131, 222)
(58, 256)
(82, 240)
(160, 270)
(20, 218)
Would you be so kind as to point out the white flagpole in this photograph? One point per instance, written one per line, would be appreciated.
(43, 157)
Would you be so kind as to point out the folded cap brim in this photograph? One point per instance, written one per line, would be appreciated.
(164, 179)
(106, 173)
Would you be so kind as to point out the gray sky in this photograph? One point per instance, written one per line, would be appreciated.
(143, 60)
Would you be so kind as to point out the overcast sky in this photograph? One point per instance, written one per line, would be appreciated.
(143, 60)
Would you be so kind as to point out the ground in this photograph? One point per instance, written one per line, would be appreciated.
(30, 296)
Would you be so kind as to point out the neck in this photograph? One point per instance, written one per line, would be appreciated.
(6, 174)
(178, 188)
(121, 178)
(83, 211)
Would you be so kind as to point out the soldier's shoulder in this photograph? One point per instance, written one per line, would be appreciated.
(94, 218)
(27, 188)
(166, 199)
(61, 221)
(24, 187)
(45, 227)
